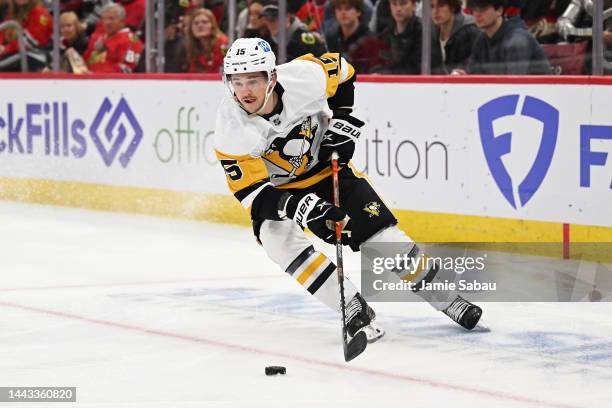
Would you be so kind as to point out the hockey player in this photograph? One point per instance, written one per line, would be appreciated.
(274, 136)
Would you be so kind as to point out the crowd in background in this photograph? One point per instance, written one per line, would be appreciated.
(377, 36)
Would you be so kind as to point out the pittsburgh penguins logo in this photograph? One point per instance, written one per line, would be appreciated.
(292, 153)
(372, 208)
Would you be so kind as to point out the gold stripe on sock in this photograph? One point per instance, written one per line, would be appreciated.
(311, 268)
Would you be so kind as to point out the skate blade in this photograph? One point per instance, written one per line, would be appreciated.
(355, 346)
(373, 333)
(481, 327)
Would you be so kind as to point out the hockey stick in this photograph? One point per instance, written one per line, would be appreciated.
(357, 344)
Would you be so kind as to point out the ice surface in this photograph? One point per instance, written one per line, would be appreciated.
(145, 312)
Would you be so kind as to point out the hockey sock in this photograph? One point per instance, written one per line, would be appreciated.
(317, 274)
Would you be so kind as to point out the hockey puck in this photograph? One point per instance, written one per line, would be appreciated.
(274, 370)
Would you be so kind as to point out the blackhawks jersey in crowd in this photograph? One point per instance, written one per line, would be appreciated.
(261, 155)
(37, 28)
(117, 53)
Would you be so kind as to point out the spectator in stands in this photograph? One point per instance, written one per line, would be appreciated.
(504, 46)
(73, 42)
(205, 43)
(300, 41)
(216, 6)
(330, 23)
(251, 24)
(118, 49)
(175, 11)
(353, 39)
(135, 11)
(350, 27)
(308, 11)
(37, 26)
(453, 35)
(242, 21)
(256, 26)
(381, 17)
(218, 9)
(134, 15)
(174, 41)
(72, 33)
(404, 38)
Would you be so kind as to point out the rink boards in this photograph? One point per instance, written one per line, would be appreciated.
(468, 159)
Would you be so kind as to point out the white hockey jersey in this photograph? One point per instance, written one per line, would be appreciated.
(281, 151)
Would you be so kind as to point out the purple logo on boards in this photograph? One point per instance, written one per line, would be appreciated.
(122, 130)
(497, 146)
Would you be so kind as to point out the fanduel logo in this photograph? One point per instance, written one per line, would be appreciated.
(115, 132)
(495, 147)
(52, 128)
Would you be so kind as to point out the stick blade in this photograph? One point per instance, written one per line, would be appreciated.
(355, 347)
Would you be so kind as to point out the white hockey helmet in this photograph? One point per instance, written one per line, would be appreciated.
(249, 55)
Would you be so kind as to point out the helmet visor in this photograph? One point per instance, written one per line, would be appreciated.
(252, 82)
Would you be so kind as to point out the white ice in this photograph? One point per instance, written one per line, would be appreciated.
(145, 312)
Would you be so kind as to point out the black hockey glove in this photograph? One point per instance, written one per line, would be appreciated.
(341, 134)
(310, 210)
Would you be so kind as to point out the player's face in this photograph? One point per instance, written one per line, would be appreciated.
(250, 90)
(401, 10)
(201, 26)
(485, 17)
(440, 13)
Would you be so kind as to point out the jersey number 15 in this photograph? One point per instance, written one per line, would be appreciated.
(232, 169)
